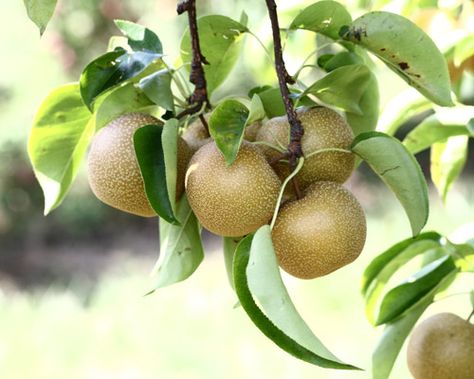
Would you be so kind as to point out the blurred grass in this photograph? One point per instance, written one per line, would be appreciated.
(191, 330)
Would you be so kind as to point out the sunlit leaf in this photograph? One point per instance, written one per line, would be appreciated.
(181, 250)
(139, 37)
(40, 12)
(447, 161)
(157, 87)
(325, 17)
(246, 265)
(61, 132)
(399, 170)
(407, 50)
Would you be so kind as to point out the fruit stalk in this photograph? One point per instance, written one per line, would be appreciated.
(198, 98)
(296, 132)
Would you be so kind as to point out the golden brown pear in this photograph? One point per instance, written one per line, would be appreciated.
(231, 200)
(319, 233)
(323, 128)
(442, 347)
(114, 174)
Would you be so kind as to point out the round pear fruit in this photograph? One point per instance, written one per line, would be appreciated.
(323, 129)
(114, 174)
(319, 233)
(442, 347)
(231, 200)
(197, 136)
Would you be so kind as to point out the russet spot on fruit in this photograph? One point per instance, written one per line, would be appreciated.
(231, 200)
(114, 174)
(319, 233)
(323, 128)
(442, 347)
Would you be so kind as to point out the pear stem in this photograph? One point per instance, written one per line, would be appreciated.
(198, 98)
(296, 131)
(470, 316)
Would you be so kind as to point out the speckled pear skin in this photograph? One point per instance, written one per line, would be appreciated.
(196, 134)
(231, 200)
(442, 347)
(323, 128)
(320, 233)
(114, 174)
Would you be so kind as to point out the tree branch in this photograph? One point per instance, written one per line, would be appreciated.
(199, 98)
(296, 128)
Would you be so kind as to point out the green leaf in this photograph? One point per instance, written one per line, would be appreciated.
(447, 161)
(396, 332)
(157, 87)
(325, 17)
(342, 87)
(181, 250)
(399, 170)
(229, 245)
(121, 100)
(430, 131)
(219, 37)
(226, 126)
(381, 262)
(401, 109)
(463, 50)
(169, 141)
(61, 132)
(257, 110)
(407, 50)
(369, 106)
(150, 157)
(272, 102)
(139, 37)
(246, 266)
(114, 68)
(431, 251)
(415, 288)
(40, 12)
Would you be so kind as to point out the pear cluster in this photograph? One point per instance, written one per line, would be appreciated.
(313, 236)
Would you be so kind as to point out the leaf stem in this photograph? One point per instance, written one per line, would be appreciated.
(282, 190)
(197, 76)
(296, 128)
(328, 150)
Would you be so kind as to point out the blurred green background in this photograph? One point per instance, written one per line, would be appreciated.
(72, 283)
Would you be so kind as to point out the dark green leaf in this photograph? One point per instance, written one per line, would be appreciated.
(139, 37)
(342, 87)
(61, 132)
(344, 58)
(414, 289)
(395, 333)
(325, 17)
(407, 50)
(273, 332)
(40, 12)
(379, 263)
(230, 244)
(272, 102)
(150, 157)
(447, 161)
(399, 170)
(429, 131)
(226, 126)
(157, 87)
(99, 75)
(181, 250)
(114, 68)
(219, 37)
(118, 101)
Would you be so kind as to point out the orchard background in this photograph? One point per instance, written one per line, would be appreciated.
(71, 283)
